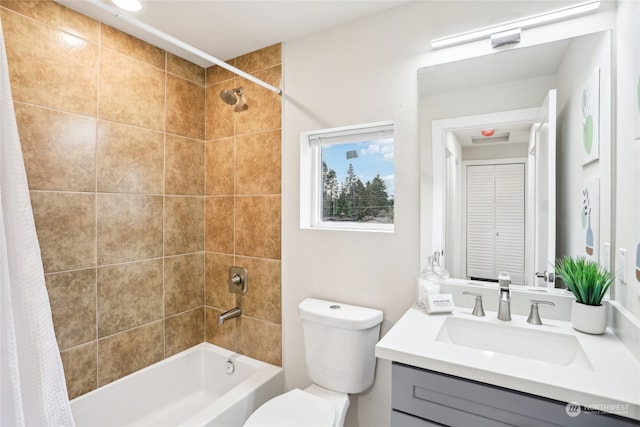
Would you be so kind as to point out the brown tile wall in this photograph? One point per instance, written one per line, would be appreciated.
(133, 189)
(243, 206)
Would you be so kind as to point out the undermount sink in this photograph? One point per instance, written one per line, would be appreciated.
(541, 346)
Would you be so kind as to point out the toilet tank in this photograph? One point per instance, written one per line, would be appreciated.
(339, 344)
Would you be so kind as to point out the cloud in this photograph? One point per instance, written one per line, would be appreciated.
(390, 177)
(383, 147)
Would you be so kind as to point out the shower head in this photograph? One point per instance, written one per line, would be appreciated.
(229, 96)
(235, 97)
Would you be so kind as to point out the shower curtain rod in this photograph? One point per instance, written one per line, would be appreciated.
(179, 43)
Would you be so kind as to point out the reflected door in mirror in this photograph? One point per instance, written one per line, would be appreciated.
(495, 211)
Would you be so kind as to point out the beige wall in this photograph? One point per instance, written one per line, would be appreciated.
(129, 154)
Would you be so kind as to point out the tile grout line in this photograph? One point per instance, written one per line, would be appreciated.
(164, 207)
(95, 204)
(204, 227)
(235, 232)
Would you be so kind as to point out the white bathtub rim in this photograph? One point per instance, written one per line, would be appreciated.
(236, 396)
(202, 346)
(232, 397)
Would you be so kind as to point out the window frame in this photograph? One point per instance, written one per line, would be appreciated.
(311, 179)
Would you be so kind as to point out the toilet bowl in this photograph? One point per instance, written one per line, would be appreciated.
(311, 407)
(339, 342)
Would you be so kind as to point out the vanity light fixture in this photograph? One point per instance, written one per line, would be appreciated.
(529, 22)
(505, 38)
(128, 5)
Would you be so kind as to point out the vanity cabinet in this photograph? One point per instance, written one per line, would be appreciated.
(423, 398)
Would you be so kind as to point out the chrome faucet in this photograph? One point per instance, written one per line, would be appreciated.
(234, 312)
(504, 303)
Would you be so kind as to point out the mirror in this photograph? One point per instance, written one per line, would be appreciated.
(497, 212)
(527, 191)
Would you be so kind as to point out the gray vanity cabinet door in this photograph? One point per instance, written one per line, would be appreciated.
(458, 402)
(400, 419)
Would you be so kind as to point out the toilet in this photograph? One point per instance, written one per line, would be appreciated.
(339, 344)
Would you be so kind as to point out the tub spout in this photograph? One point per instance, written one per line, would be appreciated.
(234, 312)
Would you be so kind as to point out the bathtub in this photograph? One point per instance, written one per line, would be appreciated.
(197, 387)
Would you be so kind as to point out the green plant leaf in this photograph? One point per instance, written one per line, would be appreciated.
(586, 279)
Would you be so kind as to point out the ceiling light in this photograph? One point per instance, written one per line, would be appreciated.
(506, 38)
(531, 21)
(128, 5)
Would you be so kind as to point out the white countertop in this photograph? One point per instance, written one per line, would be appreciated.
(612, 386)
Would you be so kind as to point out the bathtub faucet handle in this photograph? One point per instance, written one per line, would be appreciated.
(238, 280)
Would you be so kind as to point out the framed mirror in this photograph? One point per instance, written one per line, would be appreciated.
(513, 172)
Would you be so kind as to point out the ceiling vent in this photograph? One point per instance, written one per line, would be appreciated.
(494, 140)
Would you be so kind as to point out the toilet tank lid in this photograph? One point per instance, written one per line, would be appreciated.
(339, 315)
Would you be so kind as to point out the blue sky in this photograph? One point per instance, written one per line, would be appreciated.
(374, 157)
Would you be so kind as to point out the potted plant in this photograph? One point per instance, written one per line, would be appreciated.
(589, 282)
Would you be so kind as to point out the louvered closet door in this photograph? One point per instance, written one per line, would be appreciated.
(495, 221)
(509, 220)
(480, 221)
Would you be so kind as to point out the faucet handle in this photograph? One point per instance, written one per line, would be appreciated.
(534, 316)
(477, 309)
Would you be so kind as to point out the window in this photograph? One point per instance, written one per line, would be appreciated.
(347, 178)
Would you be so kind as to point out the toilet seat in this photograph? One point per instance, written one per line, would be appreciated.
(296, 408)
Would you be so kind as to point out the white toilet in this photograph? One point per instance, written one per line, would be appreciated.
(339, 343)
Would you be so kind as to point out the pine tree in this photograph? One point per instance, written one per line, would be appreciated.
(330, 191)
(352, 200)
(359, 201)
(342, 205)
(379, 192)
(349, 191)
(377, 197)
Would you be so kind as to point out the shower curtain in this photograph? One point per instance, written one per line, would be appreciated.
(32, 390)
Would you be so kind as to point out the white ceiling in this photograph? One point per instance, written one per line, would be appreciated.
(226, 29)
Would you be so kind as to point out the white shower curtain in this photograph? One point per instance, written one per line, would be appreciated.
(33, 390)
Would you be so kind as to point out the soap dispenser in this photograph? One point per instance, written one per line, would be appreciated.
(427, 283)
(438, 268)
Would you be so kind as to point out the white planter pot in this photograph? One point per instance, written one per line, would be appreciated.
(591, 319)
